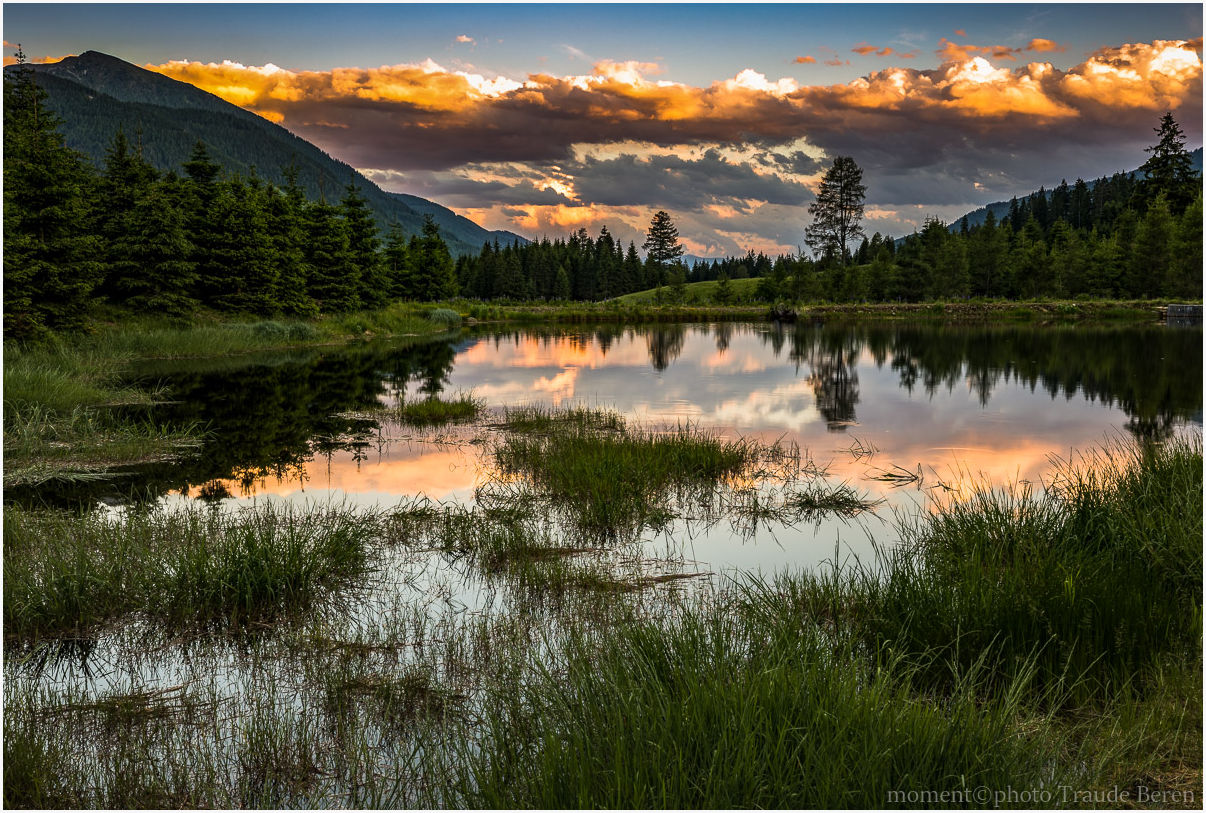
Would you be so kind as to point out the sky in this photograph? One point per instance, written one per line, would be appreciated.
(543, 119)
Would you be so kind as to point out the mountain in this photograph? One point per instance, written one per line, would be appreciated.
(96, 95)
(1001, 208)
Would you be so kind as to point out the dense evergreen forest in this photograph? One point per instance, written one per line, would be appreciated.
(170, 243)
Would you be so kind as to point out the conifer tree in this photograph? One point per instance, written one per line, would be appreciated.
(1169, 170)
(51, 262)
(332, 281)
(837, 210)
(433, 265)
(398, 264)
(285, 209)
(155, 243)
(125, 182)
(364, 249)
(661, 244)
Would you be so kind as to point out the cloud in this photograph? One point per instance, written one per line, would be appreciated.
(806, 60)
(959, 32)
(33, 60)
(954, 51)
(971, 128)
(465, 38)
(836, 61)
(865, 49)
(1041, 45)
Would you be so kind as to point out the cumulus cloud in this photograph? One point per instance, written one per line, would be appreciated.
(963, 124)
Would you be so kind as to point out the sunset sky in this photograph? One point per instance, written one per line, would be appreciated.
(544, 118)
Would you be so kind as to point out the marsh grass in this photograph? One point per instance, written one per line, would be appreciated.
(66, 574)
(1093, 581)
(715, 711)
(1015, 639)
(540, 419)
(615, 478)
(977, 652)
(436, 411)
(41, 446)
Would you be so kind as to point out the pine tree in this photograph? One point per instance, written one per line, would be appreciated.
(364, 249)
(286, 220)
(837, 210)
(156, 243)
(1151, 252)
(332, 281)
(125, 182)
(51, 262)
(1185, 274)
(250, 271)
(661, 245)
(398, 264)
(1168, 170)
(433, 265)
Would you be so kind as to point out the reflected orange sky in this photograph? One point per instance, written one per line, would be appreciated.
(731, 382)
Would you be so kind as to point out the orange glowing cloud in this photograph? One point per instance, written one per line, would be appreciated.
(423, 116)
(1041, 45)
(806, 60)
(36, 60)
(865, 49)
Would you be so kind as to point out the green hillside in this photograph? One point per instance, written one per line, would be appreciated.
(695, 293)
(96, 95)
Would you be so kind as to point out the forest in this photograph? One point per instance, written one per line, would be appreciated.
(131, 237)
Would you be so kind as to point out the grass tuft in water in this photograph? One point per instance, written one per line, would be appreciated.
(436, 411)
(615, 478)
(67, 573)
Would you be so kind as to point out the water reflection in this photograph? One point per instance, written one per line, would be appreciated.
(997, 400)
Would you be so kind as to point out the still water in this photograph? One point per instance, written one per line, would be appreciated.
(866, 402)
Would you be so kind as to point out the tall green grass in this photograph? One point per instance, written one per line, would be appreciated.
(66, 574)
(713, 711)
(436, 411)
(1093, 581)
(1013, 640)
(613, 477)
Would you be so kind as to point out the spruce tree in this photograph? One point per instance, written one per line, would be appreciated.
(364, 249)
(837, 210)
(1169, 170)
(285, 209)
(156, 244)
(126, 181)
(661, 245)
(51, 261)
(398, 264)
(433, 265)
(332, 281)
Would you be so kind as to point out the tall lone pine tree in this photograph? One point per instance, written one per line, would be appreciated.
(837, 210)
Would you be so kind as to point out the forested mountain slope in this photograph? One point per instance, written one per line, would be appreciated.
(96, 95)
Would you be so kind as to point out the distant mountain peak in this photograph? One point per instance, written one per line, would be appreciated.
(96, 94)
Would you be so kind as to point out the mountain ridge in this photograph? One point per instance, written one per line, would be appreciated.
(97, 94)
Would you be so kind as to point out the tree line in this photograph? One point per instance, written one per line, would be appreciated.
(171, 243)
(1133, 235)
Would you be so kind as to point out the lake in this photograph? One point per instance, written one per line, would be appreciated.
(899, 414)
(867, 402)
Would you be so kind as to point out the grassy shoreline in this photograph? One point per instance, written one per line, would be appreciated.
(1036, 643)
